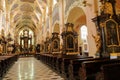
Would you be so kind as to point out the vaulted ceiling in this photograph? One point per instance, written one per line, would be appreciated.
(26, 12)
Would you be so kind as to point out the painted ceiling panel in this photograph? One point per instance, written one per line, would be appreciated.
(31, 1)
(38, 9)
(26, 7)
(26, 12)
(14, 6)
(44, 1)
(26, 17)
(17, 16)
(10, 1)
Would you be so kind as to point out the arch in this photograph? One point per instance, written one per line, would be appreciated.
(56, 28)
(30, 31)
(17, 31)
(77, 17)
(55, 15)
(83, 32)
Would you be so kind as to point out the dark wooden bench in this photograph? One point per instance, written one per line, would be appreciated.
(58, 64)
(89, 69)
(109, 72)
(49, 59)
(66, 62)
(75, 64)
(6, 62)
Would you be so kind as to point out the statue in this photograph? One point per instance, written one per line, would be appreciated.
(2, 32)
(97, 39)
(106, 7)
(1, 48)
(48, 47)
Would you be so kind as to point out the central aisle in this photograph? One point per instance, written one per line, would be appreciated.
(29, 68)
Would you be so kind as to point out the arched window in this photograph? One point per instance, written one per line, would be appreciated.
(84, 33)
(54, 2)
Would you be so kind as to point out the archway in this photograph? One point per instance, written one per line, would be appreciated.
(78, 18)
(26, 40)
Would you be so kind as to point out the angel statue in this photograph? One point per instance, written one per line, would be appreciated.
(106, 7)
(97, 39)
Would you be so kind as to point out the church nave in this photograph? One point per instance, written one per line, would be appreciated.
(28, 68)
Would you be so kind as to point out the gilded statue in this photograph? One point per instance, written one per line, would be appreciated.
(106, 7)
(1, 48)
(97, 39)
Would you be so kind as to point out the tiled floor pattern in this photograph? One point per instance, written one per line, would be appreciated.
(30, 69)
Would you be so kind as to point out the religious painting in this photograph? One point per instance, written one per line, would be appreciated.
(112, 33)
(55, 44)
(70, 43)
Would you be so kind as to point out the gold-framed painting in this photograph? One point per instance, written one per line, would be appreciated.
(111, 33)
(70, 42)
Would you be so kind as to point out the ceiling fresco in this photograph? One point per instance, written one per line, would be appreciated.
(26, 7)
(31, 1)
(26, 12)
(14, 6)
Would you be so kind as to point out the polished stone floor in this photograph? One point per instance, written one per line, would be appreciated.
(29, 68)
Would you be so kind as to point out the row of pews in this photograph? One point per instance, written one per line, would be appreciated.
(6, 61)
(76, 67)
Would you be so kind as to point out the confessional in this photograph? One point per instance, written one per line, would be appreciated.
(108, 26)
(70, 39)
(55, 42)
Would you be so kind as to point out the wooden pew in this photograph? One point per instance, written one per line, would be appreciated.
(6, 62)
(89, 69)
(58, 65)
(66, 62)
(73, 69)
(49, 59)
(109, 72)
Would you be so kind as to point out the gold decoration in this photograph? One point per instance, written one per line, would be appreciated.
(97, 41)
(102, 24)
(106, 7)
(1, 48)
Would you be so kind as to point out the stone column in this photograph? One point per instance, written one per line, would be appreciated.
(61, 23)
(50, 18)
